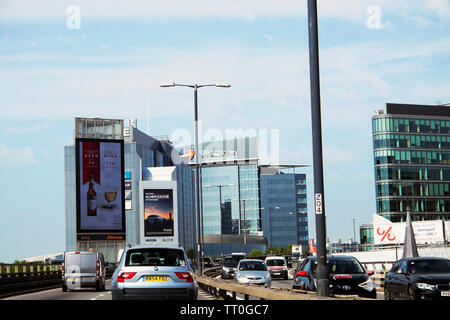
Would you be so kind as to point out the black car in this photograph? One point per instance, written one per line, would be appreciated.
(346, 275)
(418, 278)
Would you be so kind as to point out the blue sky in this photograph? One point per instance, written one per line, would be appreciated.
(113, 64)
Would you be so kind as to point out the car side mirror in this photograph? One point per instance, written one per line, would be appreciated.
(370, 272)
(302, 273)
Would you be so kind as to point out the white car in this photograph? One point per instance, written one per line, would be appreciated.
(277, 267)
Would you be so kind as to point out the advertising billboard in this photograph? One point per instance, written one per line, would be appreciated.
(100, 186)
(394, 233)
(158, 213)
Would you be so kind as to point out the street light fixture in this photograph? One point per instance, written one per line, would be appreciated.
(197, 171)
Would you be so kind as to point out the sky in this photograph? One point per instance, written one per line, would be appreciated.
(65, 59)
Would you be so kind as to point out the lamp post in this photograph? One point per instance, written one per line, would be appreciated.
(221, 217)
(323, 283)
(197, 171)
(270, 222)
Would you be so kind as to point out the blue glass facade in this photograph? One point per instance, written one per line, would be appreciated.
(284, 217)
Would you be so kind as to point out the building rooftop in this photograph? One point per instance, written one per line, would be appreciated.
(418, 110)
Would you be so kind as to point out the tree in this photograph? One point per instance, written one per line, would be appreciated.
(281, 251)
(270, 250)
(255, 253)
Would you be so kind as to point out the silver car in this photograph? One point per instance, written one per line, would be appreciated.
(150, 272)
(251, 271)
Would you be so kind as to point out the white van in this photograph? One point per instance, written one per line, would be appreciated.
(277, 267)
(83, 270)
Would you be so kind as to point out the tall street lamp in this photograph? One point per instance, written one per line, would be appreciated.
(197, 171)
(323, 283)
(221, 217)
(270, 222)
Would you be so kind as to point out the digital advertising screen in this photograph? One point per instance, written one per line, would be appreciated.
(158, 213)
(100, 185)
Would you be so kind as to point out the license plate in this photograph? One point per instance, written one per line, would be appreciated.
(445, 293)
(276, 273)
(156, 278)
(72, 279)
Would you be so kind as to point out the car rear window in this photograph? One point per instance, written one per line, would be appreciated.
(275, 262)
(430, 266)
(155, 257)
(343, 266)
(252, 266)
(84, 262)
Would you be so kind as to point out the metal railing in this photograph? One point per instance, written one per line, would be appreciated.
(228, 290)
(15, 278)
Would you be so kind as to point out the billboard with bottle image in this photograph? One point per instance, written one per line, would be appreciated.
(100, 185)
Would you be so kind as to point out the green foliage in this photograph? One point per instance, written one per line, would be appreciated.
(255, 253)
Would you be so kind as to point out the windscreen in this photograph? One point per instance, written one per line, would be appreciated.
(430, 266)
(275, 262)
(155, 257)
(252, 266)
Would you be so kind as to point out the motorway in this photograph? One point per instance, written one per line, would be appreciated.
(87, 294)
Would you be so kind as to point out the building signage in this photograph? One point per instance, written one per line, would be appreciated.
(158, 213)
(425, 232)
(100, 185)
(319, 203)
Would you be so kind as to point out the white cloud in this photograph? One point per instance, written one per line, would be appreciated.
(15, 156)
(348, 10)
(440, 7)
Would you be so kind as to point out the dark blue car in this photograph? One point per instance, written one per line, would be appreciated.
(346, 276)
(418, 279)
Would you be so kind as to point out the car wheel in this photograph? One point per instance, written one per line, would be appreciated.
(64, 288)
(411, 293)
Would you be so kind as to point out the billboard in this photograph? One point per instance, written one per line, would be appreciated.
(158, 213)
(100, 186)
(394, 233)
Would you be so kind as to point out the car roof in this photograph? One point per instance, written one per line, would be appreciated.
(149, 246)
(424, 258)
(274, 257)
(336, 257)
(249, 260)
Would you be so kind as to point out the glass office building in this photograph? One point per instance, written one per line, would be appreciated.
(284, 203)
(412, 161)
(231, 176)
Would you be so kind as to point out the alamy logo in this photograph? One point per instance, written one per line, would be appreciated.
(375, 15)
(74, 17)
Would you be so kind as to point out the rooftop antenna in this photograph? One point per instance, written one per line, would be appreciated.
(148, 118)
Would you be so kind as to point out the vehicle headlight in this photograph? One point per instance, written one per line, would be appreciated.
(425, 286)
(267, 276)
(367, 285)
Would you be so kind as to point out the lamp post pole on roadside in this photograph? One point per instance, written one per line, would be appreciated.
(197, 170)
(323, 283)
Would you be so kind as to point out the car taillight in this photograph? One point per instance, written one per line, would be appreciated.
(98, 265)
(62, 268)
(125, 276)
(185, 276)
